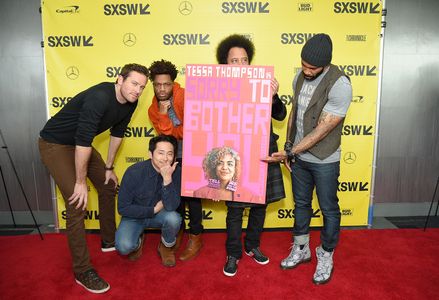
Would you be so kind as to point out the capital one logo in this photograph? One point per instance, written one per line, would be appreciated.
(245, 7)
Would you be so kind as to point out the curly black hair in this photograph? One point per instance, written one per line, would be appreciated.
(234, 40)
(160, 67)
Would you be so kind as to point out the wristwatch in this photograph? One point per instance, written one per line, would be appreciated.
(289, 150)
(109, 168)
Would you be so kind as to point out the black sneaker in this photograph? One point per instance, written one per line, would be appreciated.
(258, 256)
(107, 247)
(91, 281)
(231, 266)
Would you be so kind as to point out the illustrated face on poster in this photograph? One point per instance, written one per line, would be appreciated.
(226, 132)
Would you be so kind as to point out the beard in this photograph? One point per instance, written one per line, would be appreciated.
(311, 78)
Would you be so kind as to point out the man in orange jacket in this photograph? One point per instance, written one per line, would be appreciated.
(166, 115)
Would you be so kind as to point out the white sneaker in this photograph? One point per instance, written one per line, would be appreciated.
(296, 256)
(325, 266)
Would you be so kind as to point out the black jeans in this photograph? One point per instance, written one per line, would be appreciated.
(255, 226)
(195, 214)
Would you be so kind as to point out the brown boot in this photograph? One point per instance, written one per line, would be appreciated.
(167, 255)
(135, 255)
(193, 247)
(178, 241)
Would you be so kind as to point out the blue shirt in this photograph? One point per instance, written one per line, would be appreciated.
(142, 188)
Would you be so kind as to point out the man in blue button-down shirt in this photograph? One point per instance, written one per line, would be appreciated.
(148, 197)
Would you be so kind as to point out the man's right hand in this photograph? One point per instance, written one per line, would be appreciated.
(158, 207)
(80, 195)
(164, 106)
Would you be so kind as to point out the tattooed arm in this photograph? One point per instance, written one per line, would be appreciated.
(327, 122)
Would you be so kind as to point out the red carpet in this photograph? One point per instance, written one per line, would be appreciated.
(369, 264)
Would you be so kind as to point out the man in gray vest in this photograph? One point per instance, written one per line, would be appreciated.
(312, 152)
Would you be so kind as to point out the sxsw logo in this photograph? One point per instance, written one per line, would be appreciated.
(305, 7)
(72, 9)
(70, 41)
(137, 132)
(356, 8)
(357, 99)
(355, 37)
(206, 215)
(133, 159)
(113, 72)
(359, 70)
(89, 215)
(353, 186)
(170, 39)
(357, 130)
(130, 9)
(245, 7)
(287, 213)
(286, 99)
(60, 101)
(297, 38)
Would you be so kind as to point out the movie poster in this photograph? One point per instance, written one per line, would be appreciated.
(227, 115)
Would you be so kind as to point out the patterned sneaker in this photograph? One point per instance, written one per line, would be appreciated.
(325, 266)
(296, 256)
(231, 266)
(258, 256)
(107, 247)
(91, 281)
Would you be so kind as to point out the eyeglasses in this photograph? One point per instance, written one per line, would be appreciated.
(166, 85)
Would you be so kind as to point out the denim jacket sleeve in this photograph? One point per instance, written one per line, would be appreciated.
(130, 202)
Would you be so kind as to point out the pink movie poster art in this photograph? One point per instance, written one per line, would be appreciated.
(227, 114)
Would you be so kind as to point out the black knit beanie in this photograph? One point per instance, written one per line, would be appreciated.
(318, 50)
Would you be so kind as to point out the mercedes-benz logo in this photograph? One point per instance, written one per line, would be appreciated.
(349, 158)
(72, 73)
(185, 8)
(129, 39)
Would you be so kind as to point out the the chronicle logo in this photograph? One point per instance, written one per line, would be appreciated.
(357, 130)
(353, 186)
(359, 70)
(72, 9)
(185, 8)
(137, 132)
(296, 38)
(356, 8)
(133, 159)
(245, 7)
(349, 158)
(70, 41)
(60, 101)
(128, 9)
(356, 37)
(170, 39)
(72, 73)
(305, 7)
(129, 39)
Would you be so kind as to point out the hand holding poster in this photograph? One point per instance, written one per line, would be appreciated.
(226, 132)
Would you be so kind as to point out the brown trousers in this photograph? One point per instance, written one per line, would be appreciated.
(60, 161)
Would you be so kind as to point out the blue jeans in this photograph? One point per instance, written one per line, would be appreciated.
(130, 229)
(324, 177)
